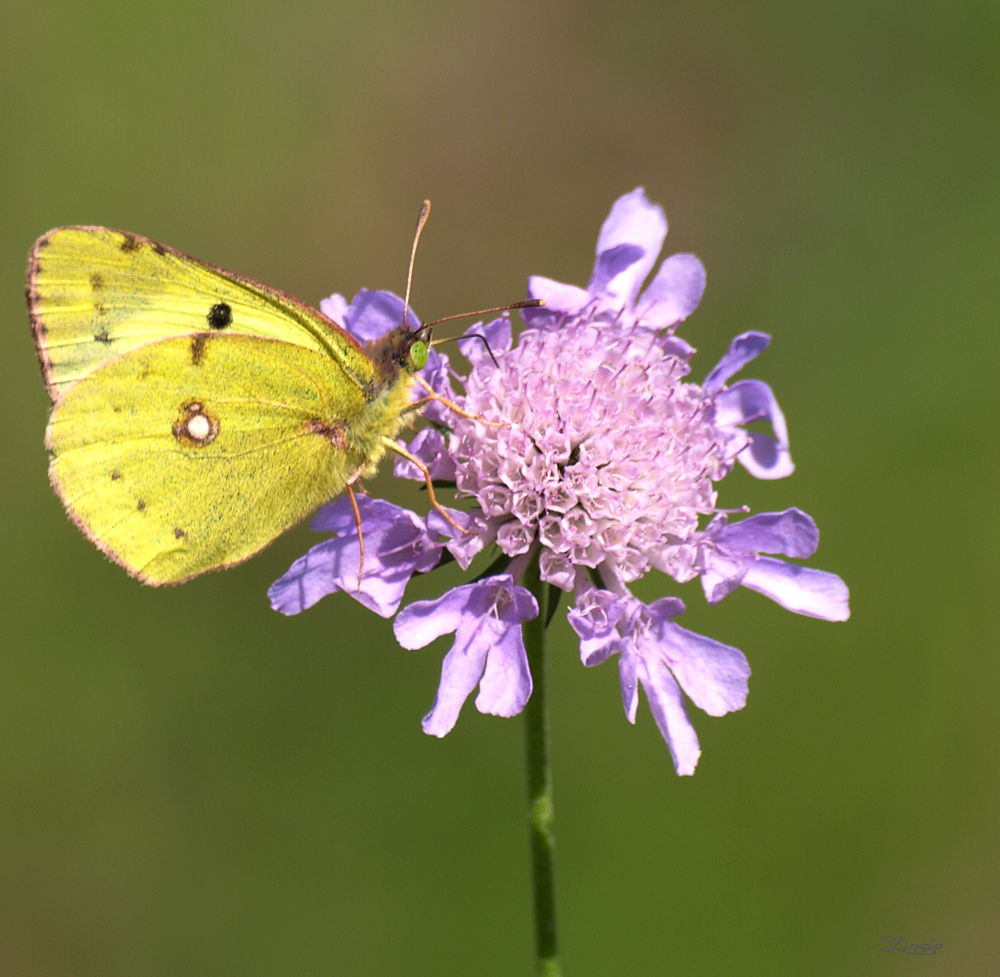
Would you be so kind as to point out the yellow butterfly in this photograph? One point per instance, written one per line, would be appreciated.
(198, 414)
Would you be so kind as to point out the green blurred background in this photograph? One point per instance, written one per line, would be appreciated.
(192, 784)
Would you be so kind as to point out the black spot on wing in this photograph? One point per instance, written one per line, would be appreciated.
(141, 506)
(220, 315)
(179, 533)
(102, 337)
(96, 281)
(115, 475)
(129, 243)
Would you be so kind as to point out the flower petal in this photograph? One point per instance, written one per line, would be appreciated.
(667, 705)
(674, 293)
(803, 590)
(506, 684)
(338, 516)
(764, 457)
(627, 247)
(396, 547)
(437, 374)
(460, 673)
(718, 582)
(628, 663)
(373, 313)
(742, 350)
(744, 403)
(464, 546)
(430, 447)
(308, 579)
(594, 617)
(791, 533)
(419, 623)
(713, 675)
(596, 613)
(496, 333)
(486, 618)
(559, 300)
(335, 308)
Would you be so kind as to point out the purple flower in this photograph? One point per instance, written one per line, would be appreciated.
(662, 657)
(589, 449)
(397, 545)
(730, 558)
(486, 617)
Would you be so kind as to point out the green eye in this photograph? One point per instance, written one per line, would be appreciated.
(418, 355)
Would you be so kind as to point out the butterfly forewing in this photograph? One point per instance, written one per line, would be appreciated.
(194, 453)
(95, 293)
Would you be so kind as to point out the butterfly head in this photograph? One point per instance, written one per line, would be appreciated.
(419, 351)
(400, 352)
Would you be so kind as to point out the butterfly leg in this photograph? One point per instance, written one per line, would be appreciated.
(413, 459)
(357, 521)
(450, 404)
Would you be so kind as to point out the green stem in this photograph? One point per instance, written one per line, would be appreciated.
(536, 728)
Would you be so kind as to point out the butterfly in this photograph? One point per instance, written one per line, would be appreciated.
(198, 414)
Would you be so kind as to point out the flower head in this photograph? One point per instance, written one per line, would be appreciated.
(588, 448)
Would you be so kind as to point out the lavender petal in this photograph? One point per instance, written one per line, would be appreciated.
(558, 298)
(720, 579)
(628, 679)
(791, 533)
(396, 547)
(496, 333)
(744, 403)
(428, 446)
(674, 293)
(484, 616)
(335, 308)
(373, 313)
(419, 623)
(742, 350)
(713, 675)
(464, 546)
(506, 683)
(814, 593)
(460, 673)
(627, 247)
(667, 705)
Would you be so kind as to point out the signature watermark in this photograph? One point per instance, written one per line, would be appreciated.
(920, 949)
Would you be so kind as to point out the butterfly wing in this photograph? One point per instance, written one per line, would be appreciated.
(193, 453)
(95, 293)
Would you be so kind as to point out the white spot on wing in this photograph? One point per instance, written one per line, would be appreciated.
(199, 427)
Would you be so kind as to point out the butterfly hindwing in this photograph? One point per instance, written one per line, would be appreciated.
(195, 452)
(95, 293)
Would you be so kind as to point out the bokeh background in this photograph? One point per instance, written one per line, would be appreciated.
(190, 783)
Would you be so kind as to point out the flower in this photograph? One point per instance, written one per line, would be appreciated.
(486, 617)
(397, 545)
(664, 658)
(586, 446)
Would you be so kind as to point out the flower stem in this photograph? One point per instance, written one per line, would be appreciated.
(536, 728)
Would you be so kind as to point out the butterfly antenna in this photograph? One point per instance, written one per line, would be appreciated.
(469, 335)
(421, 220)
(526, 304)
